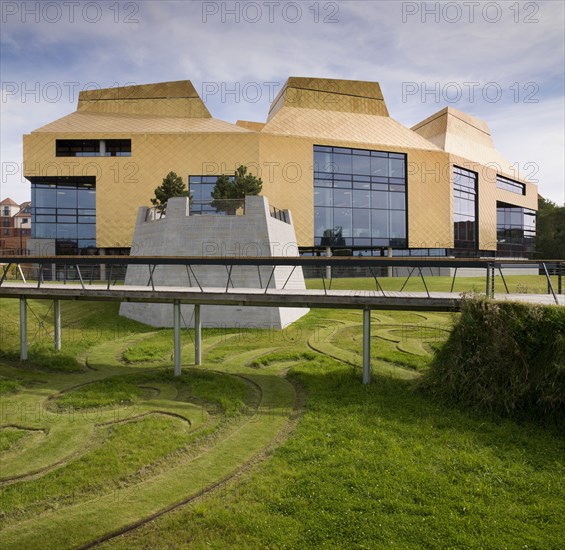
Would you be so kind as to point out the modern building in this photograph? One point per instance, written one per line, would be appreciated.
(353, 177)
(15, 230)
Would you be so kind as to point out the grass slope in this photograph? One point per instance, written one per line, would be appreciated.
(382, 467)
(119, 439)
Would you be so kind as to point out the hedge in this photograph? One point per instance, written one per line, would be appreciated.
(504, 358)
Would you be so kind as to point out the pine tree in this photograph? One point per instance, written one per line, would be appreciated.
(172, 186)
(229, 192)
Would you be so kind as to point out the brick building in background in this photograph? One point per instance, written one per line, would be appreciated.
(15, 226)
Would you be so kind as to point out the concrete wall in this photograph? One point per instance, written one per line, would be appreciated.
(179, 234)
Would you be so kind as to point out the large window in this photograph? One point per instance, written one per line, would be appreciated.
(510, 185)
(465, 208)
(359, 197)
(64, 209)
(93, 148)
(515, 230)
(201, 188)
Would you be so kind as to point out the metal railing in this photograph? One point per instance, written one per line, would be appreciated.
(112, 269)
(220, 207)
(278, 214)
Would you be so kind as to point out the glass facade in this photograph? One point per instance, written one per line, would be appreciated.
(465, 226)
(359, 198)
(515, 230)
(93, 148)
(64, 209)
(201, 188)
(510, 185)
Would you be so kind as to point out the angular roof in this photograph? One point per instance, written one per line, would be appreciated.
(166, 107)
(177, 98)
(321, 108)
(250, 125)
(328, 94)
(8, 202)
(343, 126)
(116, 123)
(461, 134)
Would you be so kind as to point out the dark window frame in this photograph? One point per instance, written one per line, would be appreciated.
(327, 176)
(464, 193)
(503, 182)
(92, 147)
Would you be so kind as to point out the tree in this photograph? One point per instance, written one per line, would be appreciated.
(172, 186)
(333, 237)
(550, 231)
(230, 191)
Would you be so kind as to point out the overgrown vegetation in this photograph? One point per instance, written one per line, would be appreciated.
(10, 436)
(505, 358)
(283, 356)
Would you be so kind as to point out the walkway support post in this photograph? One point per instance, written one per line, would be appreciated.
(197, 335)
(366, 346)
(328, 267)
(57, 324)
(487, 290)
(176, 330)
(23, 329)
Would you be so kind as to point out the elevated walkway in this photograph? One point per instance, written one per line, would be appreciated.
(200, 295)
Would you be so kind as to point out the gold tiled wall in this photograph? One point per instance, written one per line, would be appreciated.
(430, 202)
(430, 222)
(288, 180)
(125, 183)
(285, 164)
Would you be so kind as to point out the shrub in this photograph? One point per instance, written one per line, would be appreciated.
(505, 358)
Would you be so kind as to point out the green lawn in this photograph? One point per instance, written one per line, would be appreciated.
(528, 284)
(298, 452)
(382, 467)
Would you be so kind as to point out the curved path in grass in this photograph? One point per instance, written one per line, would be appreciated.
(178, 479)
(406, 338)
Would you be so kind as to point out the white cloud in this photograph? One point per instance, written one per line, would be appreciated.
(369, 42)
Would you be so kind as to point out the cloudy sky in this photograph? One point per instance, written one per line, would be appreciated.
(501, 61)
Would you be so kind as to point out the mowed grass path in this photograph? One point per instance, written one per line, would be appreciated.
(365, 467)
(382, 467)
(122, 443)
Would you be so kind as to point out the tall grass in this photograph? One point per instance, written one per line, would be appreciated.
(504, 358)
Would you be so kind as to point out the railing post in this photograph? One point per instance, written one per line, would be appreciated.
(366, 346)
(488, 281)
(197, 335)
(549, 284)
(57, 324)
(23, 329)
(559, 277)
(176, 330)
